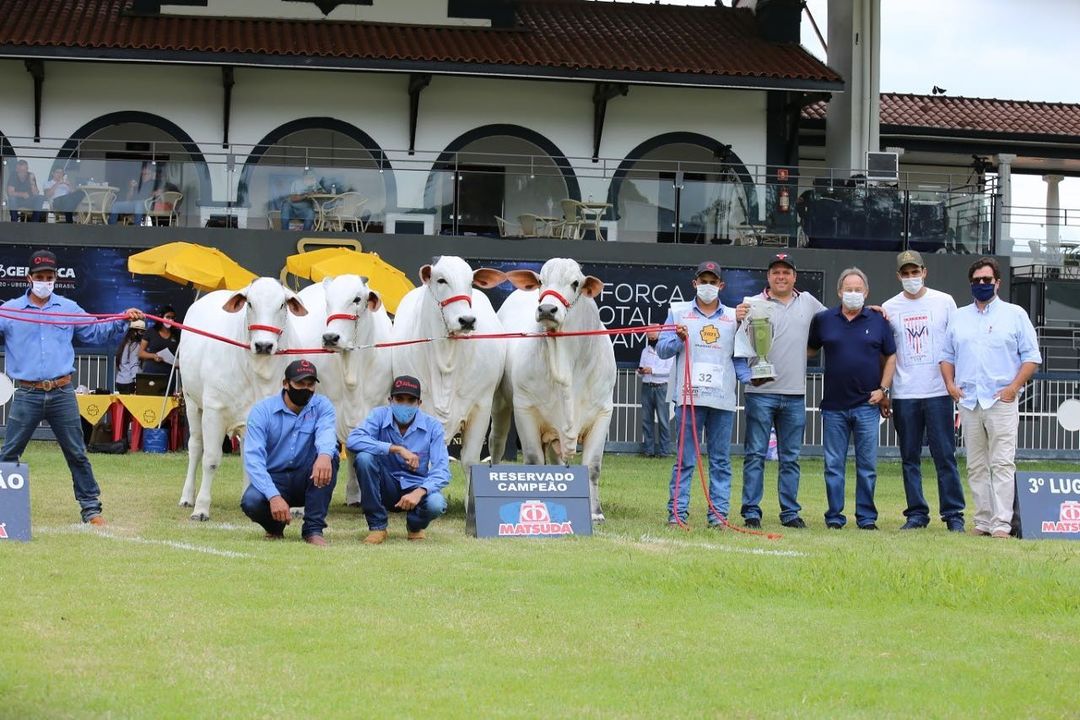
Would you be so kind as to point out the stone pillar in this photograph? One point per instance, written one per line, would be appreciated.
(1004, 203)
(852, 122)
(1053, 212)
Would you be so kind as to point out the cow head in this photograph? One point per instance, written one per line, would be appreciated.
(449, 281)
(349, 303)
(561, 284)
(266, 303)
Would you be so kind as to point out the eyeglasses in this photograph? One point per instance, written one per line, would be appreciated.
(983, 281)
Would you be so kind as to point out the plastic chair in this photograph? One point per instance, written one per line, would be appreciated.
(571, 226)
(344, 212)
(163, 210)
(95, 206)
(508, 229)
(530, 225)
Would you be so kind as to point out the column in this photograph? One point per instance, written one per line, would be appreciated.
(1053, 213)
(1004, 204)
(852, 123)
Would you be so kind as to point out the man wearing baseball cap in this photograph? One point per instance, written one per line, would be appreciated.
(291, 456)
(780, 402)
(401, 463)
(921, 405)
(41, 364)
(709, 328)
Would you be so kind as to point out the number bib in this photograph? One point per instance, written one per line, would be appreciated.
(708, 376)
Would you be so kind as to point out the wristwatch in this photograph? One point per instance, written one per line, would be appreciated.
(884, 390)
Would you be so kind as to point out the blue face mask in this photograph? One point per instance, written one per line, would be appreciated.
(403, 414)
(981, 292)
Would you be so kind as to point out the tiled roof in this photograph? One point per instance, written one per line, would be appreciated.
(972, 115)
(568, 38)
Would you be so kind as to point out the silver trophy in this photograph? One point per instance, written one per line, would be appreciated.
(761, 337)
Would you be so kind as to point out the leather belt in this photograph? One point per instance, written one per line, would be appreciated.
(46, 385)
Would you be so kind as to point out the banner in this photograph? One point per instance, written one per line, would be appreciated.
(528, 501)
(1049, 505)
(14, 501)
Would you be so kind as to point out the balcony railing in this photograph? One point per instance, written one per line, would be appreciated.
(713, 200)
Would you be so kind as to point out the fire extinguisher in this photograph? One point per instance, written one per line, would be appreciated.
(784, 199)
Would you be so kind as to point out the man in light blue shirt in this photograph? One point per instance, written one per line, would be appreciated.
(401, 463)
(990, 352)
(291, 456)
(38, 330)
(655, 416)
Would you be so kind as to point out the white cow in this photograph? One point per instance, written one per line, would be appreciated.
(559, 388)
(346, 316)
(457, 377)
(222, 381)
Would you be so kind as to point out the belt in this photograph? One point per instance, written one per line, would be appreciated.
(46, 385)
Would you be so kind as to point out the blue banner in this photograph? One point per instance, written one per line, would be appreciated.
(1049, 505)
(14, 501)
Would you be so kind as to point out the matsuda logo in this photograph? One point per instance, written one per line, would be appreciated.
(1068, 519)
(709, 334)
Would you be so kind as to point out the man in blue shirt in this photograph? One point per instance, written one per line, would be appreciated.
(41, 364)
(291, 456)
(401, 463)
(991, 351)
(860, 358)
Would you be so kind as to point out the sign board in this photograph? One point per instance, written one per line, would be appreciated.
(1049, 505)
(14, 501)
(529, 501)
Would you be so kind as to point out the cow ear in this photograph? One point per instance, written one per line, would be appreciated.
(235, 303)
(326, 281)
(488, 278)
(425, 274)
(523, 279)
(592, 286)
(292, 302)
(374, 302)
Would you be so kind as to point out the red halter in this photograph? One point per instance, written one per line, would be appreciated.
(267, 328)
(455, 298)
(558, 297)
(340, 316)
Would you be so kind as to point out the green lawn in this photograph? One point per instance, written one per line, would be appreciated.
(163, 618)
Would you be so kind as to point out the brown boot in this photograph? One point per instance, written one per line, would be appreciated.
(376, 537)
(97, 521)
(418, 535)
(315, 540)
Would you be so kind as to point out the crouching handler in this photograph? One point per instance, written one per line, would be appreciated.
(401, 463)
(291, 456)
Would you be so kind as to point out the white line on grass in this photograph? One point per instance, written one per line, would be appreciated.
(653, 540)
(83, 530)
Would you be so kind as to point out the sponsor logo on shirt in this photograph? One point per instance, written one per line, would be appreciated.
(709, 334)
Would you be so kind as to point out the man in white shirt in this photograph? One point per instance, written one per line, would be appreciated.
(655, 425)
(921, 405)
(990, 353)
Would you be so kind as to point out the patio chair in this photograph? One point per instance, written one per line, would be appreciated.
(95, 206)
(572, 223)
(508, 229)
(530, 225)
(345, 212)
(164, 209)
(273, 219)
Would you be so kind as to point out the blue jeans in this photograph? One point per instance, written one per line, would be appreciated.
(298, 489)
(655, 420)
(787, 413)
(839, 426)
(58, 406)
(718, 425)
(301, 209)
(380, 492)
(136, 208)
(933, 416)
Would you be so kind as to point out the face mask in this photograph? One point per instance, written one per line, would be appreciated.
(403, 414)
(981, 292)
(853, 300)
(707, 293)
(912, 285)
(299, 396)
(652, 342)
(42, 288)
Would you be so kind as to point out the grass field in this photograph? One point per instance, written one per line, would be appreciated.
(159, 617)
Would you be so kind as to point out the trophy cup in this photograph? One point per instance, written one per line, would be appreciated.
(761, 336)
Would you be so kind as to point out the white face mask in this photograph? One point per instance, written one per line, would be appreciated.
(853, 300)
(42, 288)
(912, 285)
(707, 293)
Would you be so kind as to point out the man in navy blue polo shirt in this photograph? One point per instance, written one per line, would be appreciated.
(860, 358)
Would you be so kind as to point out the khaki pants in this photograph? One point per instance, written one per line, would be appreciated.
(990, 439)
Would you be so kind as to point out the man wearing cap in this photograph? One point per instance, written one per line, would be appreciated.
(401, 463)
(41, 364)
(921, 405)
(780, 402)
(291, 456)
(990, 353)
(714, 373)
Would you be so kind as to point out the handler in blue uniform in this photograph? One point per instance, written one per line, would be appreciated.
(291, 456)
(41, 364)
(401, 463)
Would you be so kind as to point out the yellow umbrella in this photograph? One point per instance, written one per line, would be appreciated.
(384, 278)
(182, 262)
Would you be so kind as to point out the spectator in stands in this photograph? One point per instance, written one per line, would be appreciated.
(655, 418)
(127, 357)
(991, 351)
(860, 359)
(921, 406)
(298, 204)
(147, 186)
(60, 194)
(23, 193)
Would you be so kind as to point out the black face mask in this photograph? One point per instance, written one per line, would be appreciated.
(652, 343)
(299, 396)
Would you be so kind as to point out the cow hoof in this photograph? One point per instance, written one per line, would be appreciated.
(200, 516)
(598, 517)
(186, 503)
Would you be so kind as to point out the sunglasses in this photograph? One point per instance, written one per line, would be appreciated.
(983, 281)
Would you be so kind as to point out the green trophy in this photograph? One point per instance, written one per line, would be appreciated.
(761, 336)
